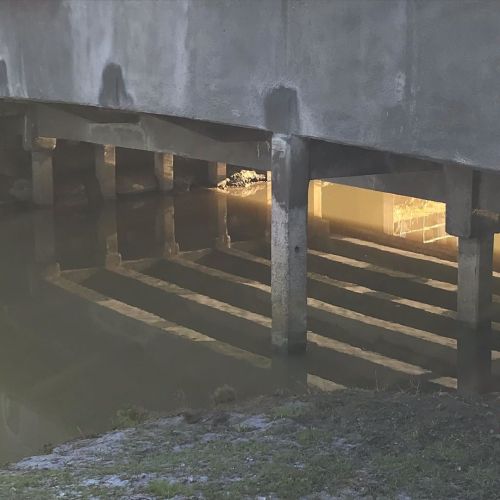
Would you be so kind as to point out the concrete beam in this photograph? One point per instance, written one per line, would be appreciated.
(164, 171)
(201, 140)
(329, 160)
(105, 170)
(290, 180)
(223, 240)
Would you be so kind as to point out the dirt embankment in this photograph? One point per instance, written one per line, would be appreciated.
(349, 444)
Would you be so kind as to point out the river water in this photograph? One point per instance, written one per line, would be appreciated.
(154, 302)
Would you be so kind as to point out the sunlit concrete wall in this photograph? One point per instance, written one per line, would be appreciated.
(413, 76)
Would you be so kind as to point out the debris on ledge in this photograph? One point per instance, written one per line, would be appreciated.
(242, 178)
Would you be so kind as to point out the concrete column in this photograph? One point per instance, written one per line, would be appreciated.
(290, 180)
(107, 237)
(289, 375)
(105, 170)
(317, 199)
(42, 170)
(217, 172)
(164, 171)
(475, 269)
(474, 303)
(269, 204)
(165, 225)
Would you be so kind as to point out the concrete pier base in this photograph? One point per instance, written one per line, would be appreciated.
(474, 303)
(290, 180)
(105, 170)
(164, 171)
(42, 171)
(217, 172)
(289, 374)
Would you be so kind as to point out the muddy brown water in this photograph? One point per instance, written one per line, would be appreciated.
(156, 301)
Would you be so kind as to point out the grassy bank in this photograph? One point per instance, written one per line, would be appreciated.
(348, 444)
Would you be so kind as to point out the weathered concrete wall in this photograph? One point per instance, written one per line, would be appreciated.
(419, 77)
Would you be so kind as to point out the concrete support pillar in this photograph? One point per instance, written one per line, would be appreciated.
(290, 180)
(217, 172)
(474, 291)
(105, 170)
(45, 242)
(289, 375)
(317, 199)
(107, 237)
(42, 170)
(164, 171)
(474, 302)
(165, 226)
(269, 204)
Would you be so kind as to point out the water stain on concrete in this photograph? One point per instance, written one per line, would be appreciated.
(113, 91)
(4, 80)
(282, 110)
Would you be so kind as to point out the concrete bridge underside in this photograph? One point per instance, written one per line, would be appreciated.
(396, 95)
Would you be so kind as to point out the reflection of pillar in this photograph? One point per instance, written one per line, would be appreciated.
(165, 223)
(44, 242)
(44, 250)
(223, 240)
(474, 301)
(105, 170)
(217, 172)
(290, 170)
(42, 170)
(107, 237)
(474, 291)
(317, 199)
(164, 171)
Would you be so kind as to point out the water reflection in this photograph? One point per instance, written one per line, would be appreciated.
(156, 301)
